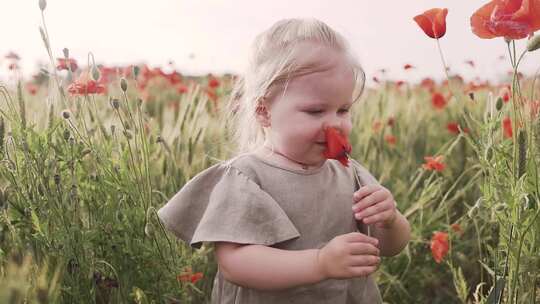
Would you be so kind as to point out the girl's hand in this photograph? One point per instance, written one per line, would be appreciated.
(374, 204)
(349, 255)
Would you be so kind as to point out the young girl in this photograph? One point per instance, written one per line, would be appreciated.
(287, 217)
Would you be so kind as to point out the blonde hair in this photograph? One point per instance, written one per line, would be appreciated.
(273, 60)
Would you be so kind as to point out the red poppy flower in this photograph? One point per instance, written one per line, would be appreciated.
(438, 100)
(439, 246)
(428, 83)
(181, 89)
(189, 276)
(434, 163)
(213, 82)
(457, 229)
(505, 93)
(507, 127)
(376, 126)
(453, 127)
(90, 87)
(63, 64)
(513, 19)
(390, 139)
(12, 56)
(337, 146)
(32, 88)
(433, 22)
(408, 66)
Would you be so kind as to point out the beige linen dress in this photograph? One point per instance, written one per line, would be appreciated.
(251, 200)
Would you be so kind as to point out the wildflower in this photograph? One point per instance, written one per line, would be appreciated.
(433, 22)
(390, 139)
(438, 100)
(90, 87)
(337, 146)
(507, 127)
(408, 67)
(189, 276)
(453, 127)
(439, 245)
(376, 126)
(512, 19)
(213, 82)
(32, 88)
(457, 229)
(504, 93)
(66, 64)
(12, 56)
(434, 163)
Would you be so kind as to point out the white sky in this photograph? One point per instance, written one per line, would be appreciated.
(382, 34)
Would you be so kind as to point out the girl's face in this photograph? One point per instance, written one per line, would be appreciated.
(323, 97)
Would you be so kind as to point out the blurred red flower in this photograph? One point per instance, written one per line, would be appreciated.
(32, 88)
(90, 87)
(507, 127)
(12, 56)
(434, 163)
(189, 276)
(408, 66)
(213, 82)
(438, 100)
(337, 146)
(63, 64)
(453, 127)
(439, 245)
(433, 22)
(390, 139)
(513, 19)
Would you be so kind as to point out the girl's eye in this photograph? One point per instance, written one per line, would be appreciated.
(314, 111)
(344, 111)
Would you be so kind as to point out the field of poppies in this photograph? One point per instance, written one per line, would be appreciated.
(90, 152)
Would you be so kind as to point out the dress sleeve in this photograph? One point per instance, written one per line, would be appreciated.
(223, 204)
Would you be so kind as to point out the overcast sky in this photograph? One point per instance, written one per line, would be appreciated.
(218, 34)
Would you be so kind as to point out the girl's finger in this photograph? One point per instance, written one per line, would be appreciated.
(365, 191)
(375, 209)
(369, 200)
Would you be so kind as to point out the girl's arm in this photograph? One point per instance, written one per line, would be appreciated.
(266, 268)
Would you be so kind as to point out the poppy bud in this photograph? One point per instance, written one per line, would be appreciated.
(66, 134)
(136, 71)
(123, 84)
(499, 103)
(534, 43)
(66, 52)
(128, 134)
(66, 114)
(115, 103)
(42, 5)
(95, 73)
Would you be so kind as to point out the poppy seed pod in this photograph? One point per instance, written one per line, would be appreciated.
(136, 71)
(66, 52)
(115, 103)
(123, 84)
(95, 73)
(42, 4)
(499, 103)
(534, 43)
(66, 114)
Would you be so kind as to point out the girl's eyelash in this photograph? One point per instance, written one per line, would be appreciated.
(320, 111)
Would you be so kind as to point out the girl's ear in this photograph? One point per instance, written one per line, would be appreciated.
(263, 114)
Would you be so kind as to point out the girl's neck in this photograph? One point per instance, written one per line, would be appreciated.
(283, 159)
